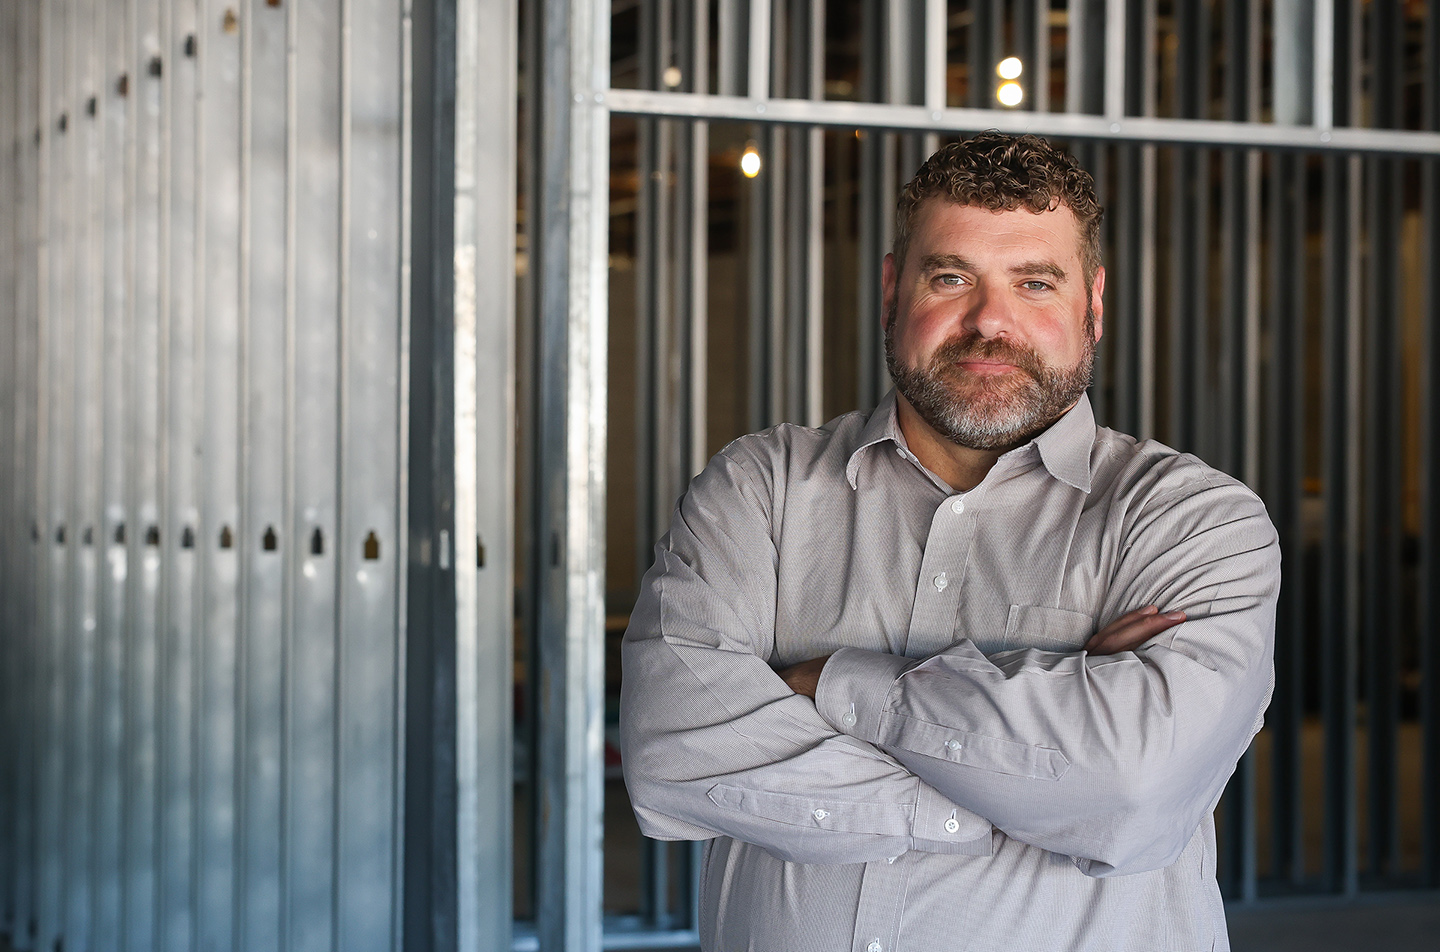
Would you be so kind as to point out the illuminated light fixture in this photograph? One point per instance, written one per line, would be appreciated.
(750, 161)
(672, 77)
(1010, 94)
(1009, 68)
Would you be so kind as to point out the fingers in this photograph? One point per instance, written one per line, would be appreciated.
(1132, 630)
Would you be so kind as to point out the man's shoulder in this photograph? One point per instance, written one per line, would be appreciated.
(1147, 475)
(782, 446)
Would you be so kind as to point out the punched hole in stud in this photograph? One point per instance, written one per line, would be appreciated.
(372, 546)
(34, 532)
(227, 538)
(187, 538)
(479, 553)
(60, 535)
(120, 534)
(152, 535)
(270, 540)
(317, 542)
(89, 537)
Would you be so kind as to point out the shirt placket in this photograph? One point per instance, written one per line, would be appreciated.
(942, 574)
(882, 902)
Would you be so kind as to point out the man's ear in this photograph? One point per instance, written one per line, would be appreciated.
(1097, 303)
(887, 288)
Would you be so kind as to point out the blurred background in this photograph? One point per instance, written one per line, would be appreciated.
(353, 354)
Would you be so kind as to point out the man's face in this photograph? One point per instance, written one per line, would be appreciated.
(990, 328)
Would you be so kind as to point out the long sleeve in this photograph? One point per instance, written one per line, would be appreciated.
(1113, 760)
(713, 742)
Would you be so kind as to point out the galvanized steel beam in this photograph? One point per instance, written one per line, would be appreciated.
(572, 228)
(954, 121)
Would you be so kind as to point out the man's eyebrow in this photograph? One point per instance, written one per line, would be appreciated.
(944, 262)
(1040, 267)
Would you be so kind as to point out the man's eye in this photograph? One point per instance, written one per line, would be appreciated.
(1036, 286)
(951, 280)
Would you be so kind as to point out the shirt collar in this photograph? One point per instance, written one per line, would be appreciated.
(1064, 447)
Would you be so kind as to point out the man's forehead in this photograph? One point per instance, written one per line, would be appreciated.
(1056, 211)
(937, 214)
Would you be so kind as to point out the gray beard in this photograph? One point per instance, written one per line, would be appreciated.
(993, 414)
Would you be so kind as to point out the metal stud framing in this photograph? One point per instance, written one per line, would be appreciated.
(1257, 241)
(206, 306)
(234, 460)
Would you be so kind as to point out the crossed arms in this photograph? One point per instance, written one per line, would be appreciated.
(1111, 756)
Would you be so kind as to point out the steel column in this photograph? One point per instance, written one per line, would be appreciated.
(485, 376)
(574, 218)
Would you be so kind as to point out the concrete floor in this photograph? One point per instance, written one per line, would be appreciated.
(1408, 923)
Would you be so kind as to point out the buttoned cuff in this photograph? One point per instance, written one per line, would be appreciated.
(853, 687)
(942, 827)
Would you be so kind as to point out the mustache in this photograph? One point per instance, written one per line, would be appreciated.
(975, 347)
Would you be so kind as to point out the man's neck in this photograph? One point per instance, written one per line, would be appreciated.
(961, 467)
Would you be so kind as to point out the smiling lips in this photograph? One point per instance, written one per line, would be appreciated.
(987, 368)
(976, 356)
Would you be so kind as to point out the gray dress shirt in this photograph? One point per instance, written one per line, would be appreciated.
(968, 778)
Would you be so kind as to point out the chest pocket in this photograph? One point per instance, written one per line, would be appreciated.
(1049, 629)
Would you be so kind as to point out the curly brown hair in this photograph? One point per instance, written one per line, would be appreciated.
(1004, 172)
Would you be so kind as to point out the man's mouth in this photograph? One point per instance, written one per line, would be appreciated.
(986, 367)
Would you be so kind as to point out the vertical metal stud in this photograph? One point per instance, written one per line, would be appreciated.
(180, 511)
(574, 219)
(84, 503)
(1429, 574)
(144, 371)
(1284, 492)
(1340, 570)
(218, 285)
(11, 263)
(263, 355)
(484, 465)
(55, 310)
(1383, 454)
(117, 121)
(372, 544)
(312, 475)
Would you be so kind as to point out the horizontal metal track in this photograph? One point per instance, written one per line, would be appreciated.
(898, 118)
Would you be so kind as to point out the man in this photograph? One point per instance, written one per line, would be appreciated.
(968, 671)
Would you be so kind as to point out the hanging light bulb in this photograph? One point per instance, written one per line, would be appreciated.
(1009, 68)
(750, 160)
(1010, 94)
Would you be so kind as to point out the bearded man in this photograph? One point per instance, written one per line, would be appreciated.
(968, 671)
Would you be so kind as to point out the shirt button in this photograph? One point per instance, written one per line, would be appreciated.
(958, 506)
(952, 825)
(874, 946)
(940, 581)
(899, 452)
(821, 814)
(848, 719)
(952, 744)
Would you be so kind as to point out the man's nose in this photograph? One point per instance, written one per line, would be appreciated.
(988, 314)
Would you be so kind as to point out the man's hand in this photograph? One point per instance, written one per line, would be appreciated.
(1132, 630)
(804, 678)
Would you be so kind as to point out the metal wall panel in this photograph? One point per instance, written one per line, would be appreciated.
(113, 105)
(10, 267)
(484, 438)
(374, 359)
(312, 371)
(263, 437)
(180, 426)
(204, 310)
(219, 283)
